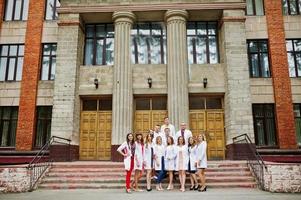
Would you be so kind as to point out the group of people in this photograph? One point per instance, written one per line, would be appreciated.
(164, 151)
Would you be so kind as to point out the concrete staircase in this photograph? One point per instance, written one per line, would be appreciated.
(95, 175)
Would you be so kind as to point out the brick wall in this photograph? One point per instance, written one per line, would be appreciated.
(1, 11)
(280, 75)
(31, 67)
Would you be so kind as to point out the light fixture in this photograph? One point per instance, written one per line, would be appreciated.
(149, 81)
(205, 82)
(96, 83)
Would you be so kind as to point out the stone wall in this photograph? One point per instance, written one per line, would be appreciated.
(14, 179)
(283, 177)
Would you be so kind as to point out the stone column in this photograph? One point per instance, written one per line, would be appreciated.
(122, 118)
(66, 101)
(177, 67)
(238, 106)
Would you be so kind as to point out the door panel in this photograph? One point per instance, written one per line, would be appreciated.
(142, 121)
(104, 135)
(158, 117)
(197, 121)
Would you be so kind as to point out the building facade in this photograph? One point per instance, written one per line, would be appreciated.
(93, 71)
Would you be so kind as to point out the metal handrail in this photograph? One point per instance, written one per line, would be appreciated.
(39, 164)
(255, 162)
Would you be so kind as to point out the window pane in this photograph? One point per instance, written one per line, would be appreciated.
(90, 105)
(253, 47)
(89, 52)
(156, 29)
(201, 28)
(99, 52)
(13, 50)
(265, 65)
(259, 7)
(45, 68)
(159, 104)
(47, 49)
(100, 30)
(90, 31)
(25, 9)
(54, 48)
(58, 4)
(254, 65)
(142, 50)
(4, 50)
(142, 104)
(110, 30)
(196, 103)
(291, 64)
(284, 7)
(201, 51)
(3, 63)
(144, 29)
(18, 5)
(11, 69)
(49, 9)
(212, 49)
(133, 49)
(259, 128)
(297, 44)
(9, 10)
(155, 44)
(263, 46)
(190, 42)
(110, 51)
(293, 7)
(250, 7)
(21, 50)
(211, 28)
(105, 104)
(213, 103)
(289, 45)
(297, 111)
(19, 69)
(298, 63)
(53, 67)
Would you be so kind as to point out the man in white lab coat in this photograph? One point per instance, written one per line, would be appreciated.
(171, 127)
(183, 132)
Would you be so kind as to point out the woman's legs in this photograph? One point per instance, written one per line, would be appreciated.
(194, 179)
(148, 179)
(184, 179)
(170, 185)
(203, 181)
(128, 175)
(191, 180)
(137, 177)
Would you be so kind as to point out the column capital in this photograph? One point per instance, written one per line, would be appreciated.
(176, 15)
(124, 16)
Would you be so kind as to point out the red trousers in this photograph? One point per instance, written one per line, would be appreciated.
(129, 174)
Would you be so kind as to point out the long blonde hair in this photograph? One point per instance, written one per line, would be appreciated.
(203, 136)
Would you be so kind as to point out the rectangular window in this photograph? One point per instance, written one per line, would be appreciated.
(44, 114)
(149, 43)
(8, 126)
(11, 62)
(297, 112)
(16, 10)
(51, 9)
(202, 42)
(48, 62)
(293, 48)
(264, 124)
(99, 44)
(291, 7)
(255, 7)
(258, 58)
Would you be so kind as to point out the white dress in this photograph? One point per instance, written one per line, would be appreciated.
(182, 158)
(192, 157)
(148, 156)
(170, 157)
(125, 148)
(202, 155)
(138, 158)
(159, 151)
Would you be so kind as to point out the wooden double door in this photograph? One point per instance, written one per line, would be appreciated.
(95, 130)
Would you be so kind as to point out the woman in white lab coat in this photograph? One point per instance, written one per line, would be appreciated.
(182, 161)
(127, 150)
(192, 150)
(138, 160)
(170, 156)
(159, 162)
(202, 161)
(148, 160)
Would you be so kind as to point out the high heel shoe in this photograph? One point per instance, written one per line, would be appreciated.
(192, 188)
(196, 187)
(203, 189)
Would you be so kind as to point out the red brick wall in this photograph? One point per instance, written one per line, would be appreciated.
(1, 11)
(31, 68)
(280, 74)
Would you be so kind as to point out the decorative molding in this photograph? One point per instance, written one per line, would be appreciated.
(231, 19)
(71, 23)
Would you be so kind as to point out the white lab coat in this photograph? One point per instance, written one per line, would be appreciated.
(159, 151)
(184, 161)
(192, 151)
(139, 156)
(156, 135)
(148, 156)
(171, 128)
(202, 155)
(125, 148)
(187, 135)
(170, 158)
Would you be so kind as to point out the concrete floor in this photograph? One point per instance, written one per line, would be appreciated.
(211, 194)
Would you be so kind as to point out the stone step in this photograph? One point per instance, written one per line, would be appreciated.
(122, 186)
(122, 174)
(142, 180)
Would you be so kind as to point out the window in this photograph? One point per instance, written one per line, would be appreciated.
(44, 114)
(51, 12)
(258, 58)
(16, 10)
(202, 42)
(11, 62)
(264, 124)
(48, 62)
(8, 126)
(297, 112)
(291, 7)
(255, 7)
(104, 104)
(293, 48)
(99, 49)
(152, 103)
(201, 103)
(149, 43)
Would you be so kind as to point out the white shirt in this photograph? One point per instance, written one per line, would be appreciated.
(187, 135)
(171, 128)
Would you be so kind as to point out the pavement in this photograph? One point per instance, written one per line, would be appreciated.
(211, 194)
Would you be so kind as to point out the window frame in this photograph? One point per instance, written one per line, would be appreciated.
(16, 63)
(294, 52)
(14, 11)
(54, 11)
(288, 3)
(162, 37)
(194, 54)
(297, 117)
(95, 39)
(10, 123)
(254, 9)
(46, 121)
(51, 57)
(258, 53)
(264, 118)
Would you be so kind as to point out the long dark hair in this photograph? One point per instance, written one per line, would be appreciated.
(141, 140)
(127, 139)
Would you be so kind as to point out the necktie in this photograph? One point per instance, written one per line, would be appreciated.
(182, 132)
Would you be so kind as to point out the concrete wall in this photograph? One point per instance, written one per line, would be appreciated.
(262, 90)
(13, 32)
(14, 179)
